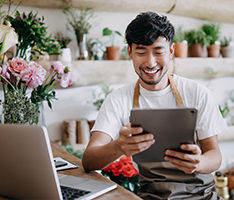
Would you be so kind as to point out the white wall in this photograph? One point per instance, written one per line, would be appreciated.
(56, 21)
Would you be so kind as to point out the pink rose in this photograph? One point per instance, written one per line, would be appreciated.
(4, 72)
(16, 65)
(34, 75)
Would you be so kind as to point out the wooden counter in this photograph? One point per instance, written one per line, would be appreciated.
(118, 193)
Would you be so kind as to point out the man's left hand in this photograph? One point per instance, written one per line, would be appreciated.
(187, 162)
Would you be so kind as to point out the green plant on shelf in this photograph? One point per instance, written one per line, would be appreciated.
(179, 35)
(225, 41)
(112, 34)
(212, 32)
(196, 37)
(100, 97)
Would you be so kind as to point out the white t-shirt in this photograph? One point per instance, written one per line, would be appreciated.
(115, 110)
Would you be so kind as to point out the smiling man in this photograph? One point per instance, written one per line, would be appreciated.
(182, 175)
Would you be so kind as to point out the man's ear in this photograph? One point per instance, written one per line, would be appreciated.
(129, 52)
(172, 50)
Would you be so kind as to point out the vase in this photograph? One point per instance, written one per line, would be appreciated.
(65, 55)
(17, 108)
(82, 45)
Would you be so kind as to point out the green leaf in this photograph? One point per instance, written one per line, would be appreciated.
(106, 32)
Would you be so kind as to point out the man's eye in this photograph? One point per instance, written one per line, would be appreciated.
(140, 53)
(159, 53)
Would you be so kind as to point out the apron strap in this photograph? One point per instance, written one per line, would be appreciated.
(174, 89)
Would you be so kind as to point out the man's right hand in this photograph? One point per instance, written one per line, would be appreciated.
(129, 143)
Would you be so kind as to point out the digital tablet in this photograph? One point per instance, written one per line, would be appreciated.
(171, 128)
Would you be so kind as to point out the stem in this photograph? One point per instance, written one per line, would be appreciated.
(7, 82)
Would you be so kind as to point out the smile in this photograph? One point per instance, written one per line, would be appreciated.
(152, 71)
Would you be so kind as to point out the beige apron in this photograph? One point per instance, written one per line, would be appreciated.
(161, 180)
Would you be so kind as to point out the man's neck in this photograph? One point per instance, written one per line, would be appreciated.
(160, 86)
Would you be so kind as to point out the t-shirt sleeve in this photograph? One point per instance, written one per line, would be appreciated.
(108, 119)
(209, 120)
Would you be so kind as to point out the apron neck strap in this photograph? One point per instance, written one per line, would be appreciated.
(174, 89)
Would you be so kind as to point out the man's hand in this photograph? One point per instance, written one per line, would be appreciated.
(129, 143)
(187, 162)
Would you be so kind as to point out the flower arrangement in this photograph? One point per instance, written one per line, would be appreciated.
(26, 86)
(124, 173)
(32, 35)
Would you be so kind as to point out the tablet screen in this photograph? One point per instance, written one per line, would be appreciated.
(171, 128)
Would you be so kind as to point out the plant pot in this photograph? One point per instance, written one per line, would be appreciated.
(213, 50)
(227, 51)
(197, 50)
(65, 55)
(113, 52)
(181, 49)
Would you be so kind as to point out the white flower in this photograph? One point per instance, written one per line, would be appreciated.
(8, 38)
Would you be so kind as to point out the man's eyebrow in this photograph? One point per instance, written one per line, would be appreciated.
(159, 47)
(140, 47)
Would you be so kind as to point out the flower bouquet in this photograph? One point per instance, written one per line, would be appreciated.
(124, 173)
(26, 86)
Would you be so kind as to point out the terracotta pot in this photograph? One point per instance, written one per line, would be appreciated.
(227, 51)
(181, 49)
(213, 50)
(113, 52)
(197, 50)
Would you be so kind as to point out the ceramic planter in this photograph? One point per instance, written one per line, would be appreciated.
(65, 55)
(197, 50)
(213, 50)
(227, 51)
(181, 49)
(113, 52)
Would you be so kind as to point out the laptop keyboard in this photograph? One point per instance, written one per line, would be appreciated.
(72, 193)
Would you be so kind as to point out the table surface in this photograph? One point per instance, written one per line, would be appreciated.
(118, 193)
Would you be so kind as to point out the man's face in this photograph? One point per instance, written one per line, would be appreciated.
(151, 61)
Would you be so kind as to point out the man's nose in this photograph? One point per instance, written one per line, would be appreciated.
(150, 60)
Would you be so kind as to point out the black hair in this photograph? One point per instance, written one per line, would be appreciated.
(147, 27)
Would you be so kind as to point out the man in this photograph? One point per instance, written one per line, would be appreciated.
(181, 176)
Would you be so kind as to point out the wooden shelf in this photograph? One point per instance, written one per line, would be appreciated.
(206, 10)
(122, 71)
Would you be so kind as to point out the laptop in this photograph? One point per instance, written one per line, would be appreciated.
(27, 168)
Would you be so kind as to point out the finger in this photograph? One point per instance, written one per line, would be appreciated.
(125, 131)
(136, 148)
(141, 138)
(194, 158)
(194, 148)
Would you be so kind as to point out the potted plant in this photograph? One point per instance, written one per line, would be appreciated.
(65, 55)
(97, 49)
(212, 31)
(227, 48)
(181, 44)
(79, 21)
(113, 52)
(197, 41)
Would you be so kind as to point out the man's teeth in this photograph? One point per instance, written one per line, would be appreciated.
(151, 72)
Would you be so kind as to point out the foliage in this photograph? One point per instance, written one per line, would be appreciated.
(79, 20)
(96, 47)
(63, 40)
(124, 52)
(124, 173)
(111, 33)
(196, 37)
(67, 146)
(99, 99)
(225, 41)
(179, 35)
(33, 34)
(224, 110)
(212, 32)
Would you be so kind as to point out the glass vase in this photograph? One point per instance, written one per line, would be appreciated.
(17, 108)
(82, 45)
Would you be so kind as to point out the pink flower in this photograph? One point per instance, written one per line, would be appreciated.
(16, 65)
(34, 75)
(57, 67)
(65, 80)
(4, 72)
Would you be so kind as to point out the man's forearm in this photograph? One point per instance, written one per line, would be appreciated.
(98, 157)
(210, 161)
